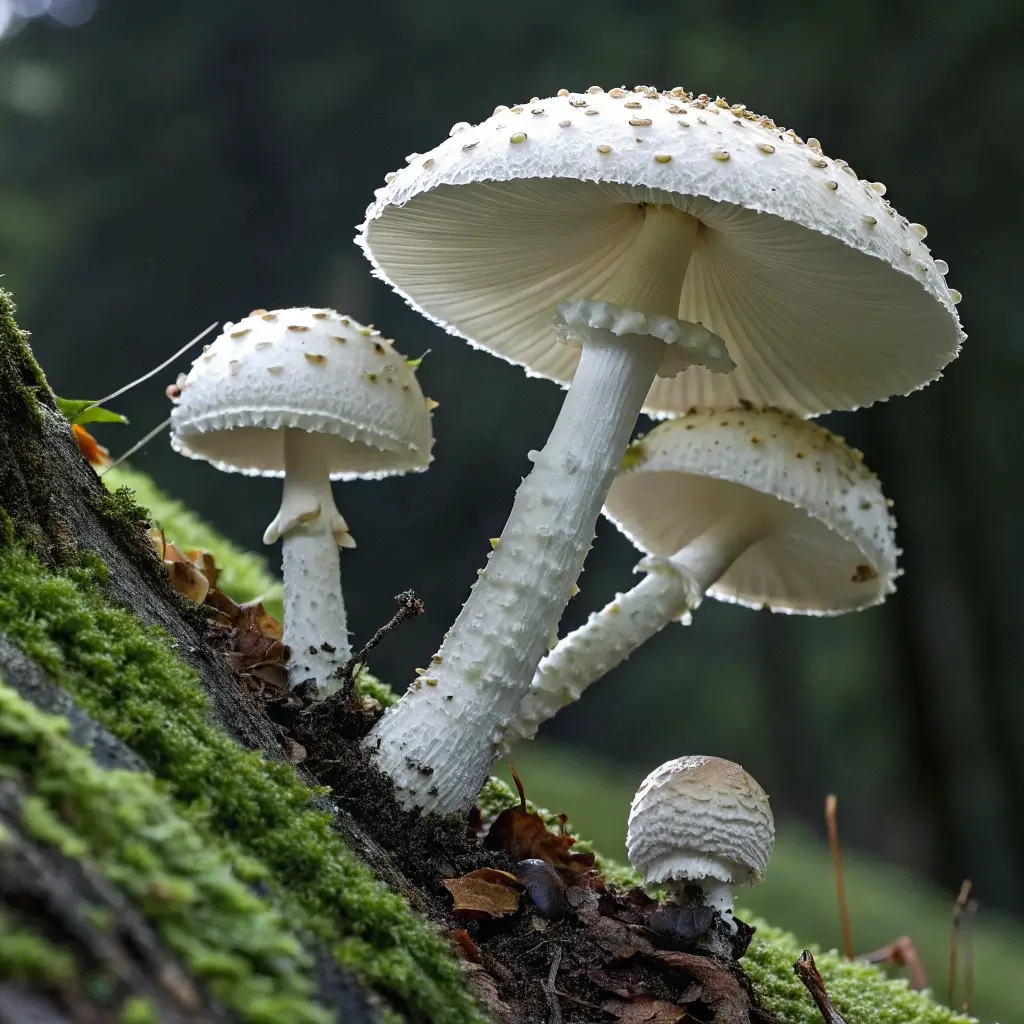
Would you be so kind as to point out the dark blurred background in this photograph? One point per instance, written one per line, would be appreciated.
(165, 165)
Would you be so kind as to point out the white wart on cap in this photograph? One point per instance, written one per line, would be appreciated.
(307, 369)
(827, 544)
(701, 821)
(824, 295)
(308, 395)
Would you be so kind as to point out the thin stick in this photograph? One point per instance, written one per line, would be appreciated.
(807, 971)
(409, 606)
(959, 910)
(831, 802)
(167, 362)
(550, 991)
(138, 444)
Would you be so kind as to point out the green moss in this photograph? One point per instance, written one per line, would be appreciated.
(182, 882)
(25, 955)
(861, 993)
(243, 576)
(866, 994)
(26, 383)
(126, 677)
(138, 1010)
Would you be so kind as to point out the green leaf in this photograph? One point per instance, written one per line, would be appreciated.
(77, 411)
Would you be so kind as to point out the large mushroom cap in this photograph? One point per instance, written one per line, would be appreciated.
(830, 546)
(310, 369)
(826, 298)
(700, 817)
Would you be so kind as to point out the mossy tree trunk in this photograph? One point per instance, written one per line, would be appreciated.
(54, 907)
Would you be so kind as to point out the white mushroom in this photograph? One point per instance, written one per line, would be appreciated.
(704, 822)
(756, 507)
(659, 228)
(311, 396)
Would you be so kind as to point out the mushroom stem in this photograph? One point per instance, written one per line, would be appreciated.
(717, 894)
(672, 588)
(439, 741)
(312, 529)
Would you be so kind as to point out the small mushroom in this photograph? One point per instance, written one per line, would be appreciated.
(755, 507)
(311, 396)
(725, 254)
(700, 826)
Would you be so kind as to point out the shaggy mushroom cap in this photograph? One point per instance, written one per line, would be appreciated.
(829, 546)
(697, 818)
(825, 297)
(308, 369)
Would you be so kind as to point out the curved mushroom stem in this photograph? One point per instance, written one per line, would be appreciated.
(312, 529)
(437, 744)
(672, 588)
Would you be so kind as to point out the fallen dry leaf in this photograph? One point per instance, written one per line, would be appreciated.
(186, 579)
(204, 562)
(646, 1011)
(253, 616)
(295, 752)
(485, 892)
(524, 836)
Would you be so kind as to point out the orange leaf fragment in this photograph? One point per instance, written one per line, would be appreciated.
(92, 451)
(485, 892)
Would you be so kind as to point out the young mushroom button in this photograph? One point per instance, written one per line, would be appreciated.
(756, 507)
(311, 396)
(701, 826)
(653, 232)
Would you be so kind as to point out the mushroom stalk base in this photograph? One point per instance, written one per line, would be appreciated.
(672, 588)
(312, 529)
(439, 741)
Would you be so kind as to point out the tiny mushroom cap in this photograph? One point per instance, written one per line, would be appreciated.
(701, 820)
(689, 207)
(826, 541)
(311, 396)
(308, 369)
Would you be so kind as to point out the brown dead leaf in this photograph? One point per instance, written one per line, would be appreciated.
(646, 1011)
(223, 604)
(720, 987)
(186, 579)
(485, 892)
(465, 947)
(294, 751)
(253, 616)
(524, 836)
(203, 561)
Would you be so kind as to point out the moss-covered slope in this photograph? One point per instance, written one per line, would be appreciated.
(863, 993)
(128, 678)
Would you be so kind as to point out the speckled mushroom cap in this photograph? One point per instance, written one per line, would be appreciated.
(700, 817)
(312, 369)
(825, 296)
(830, 547)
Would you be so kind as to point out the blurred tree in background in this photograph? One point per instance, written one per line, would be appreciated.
(166, 165)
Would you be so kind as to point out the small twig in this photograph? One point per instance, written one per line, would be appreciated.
(832, 825)
(901, 952)
(807, 971)
(549, 988)
(583, 1002)
(409, 606)
(960, 906)
(156, 369)
(137, 446)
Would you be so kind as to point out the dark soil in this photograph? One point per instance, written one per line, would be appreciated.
(576, 950)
